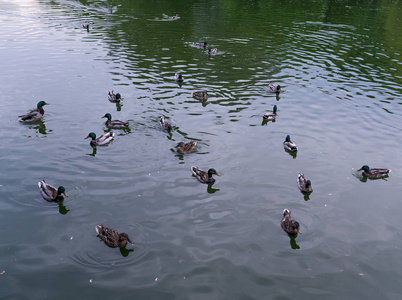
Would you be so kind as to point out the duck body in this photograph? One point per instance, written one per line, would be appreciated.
(288, 224)
(271, 116)
(85, 26)
(204, 177)
(274, 89)
(201, 45)
(116, 124)
(178, 77)
(212, 51)
(374, 173)
(165, 124)
(50, 193)
(186, 147)
(112, 237)
(202, 96)
(35, 114)
(115, 98)
(304, 184)
(100, 140)
(289, 145)
(175, 17)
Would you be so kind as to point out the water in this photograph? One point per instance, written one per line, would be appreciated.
(340, 68)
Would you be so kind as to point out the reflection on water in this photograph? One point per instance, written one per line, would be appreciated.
(293, 243)
(62, 209)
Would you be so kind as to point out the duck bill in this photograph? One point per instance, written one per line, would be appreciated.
(130, 241)
(87, 137)
(360, 169)
(65, 194)
(298, 231)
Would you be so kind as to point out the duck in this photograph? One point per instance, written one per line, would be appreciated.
(204, 177)
(288, 224)
(374, 173)
(289, 145)
(100, 140)
(212, 51)
(175, 17)
(165, 124)
(85, 26)
(203, 45)
(50, 193)
(202, 96)
(35, 114)
(112, 237)
(117, 124)
(114, 97)
(271, 116)
(304, 184)
(178, 77)
(274, 89)
(186, 147)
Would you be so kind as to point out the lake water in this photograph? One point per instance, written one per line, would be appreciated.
(340, 67)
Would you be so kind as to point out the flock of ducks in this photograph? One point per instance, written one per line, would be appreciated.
(114, 238)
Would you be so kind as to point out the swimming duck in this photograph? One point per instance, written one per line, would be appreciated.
(204, 45)
(35, 114)
(274, 89)
(114, 97)
(178, 77)
(204, 177)
(304, 185)
(288, 224)
(50, 193)
(112, 237)
(289, 145)
(202, 96)
(165, 124)
(175, 17)
(186, 148)
(85, 26)
(100, 140)
(271, 116)
(374, 172)
(212, 51)
(115, 123)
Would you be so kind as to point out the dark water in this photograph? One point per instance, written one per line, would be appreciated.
(339, 64)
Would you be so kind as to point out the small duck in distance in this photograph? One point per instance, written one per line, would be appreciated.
(202, 96)
(289, 145)
(374, 173)
(165, 124)
(186, 147)
(274, 89)
(115, 98)
(288, 224)
(100, 140)
(175, 17)
(112, 237)
(178, 77)
(85, 26)
(50, 193)
(204, 177)
(117, 124)
(35, 114)
(212, 51)
(304, 184)
(201, 45)
(271, 116)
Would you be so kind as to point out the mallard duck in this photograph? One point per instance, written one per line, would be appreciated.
(175, 17)
(85, 26)
(204, 177)
(289, 145)
(271, 116)
(203, 45)
(100, 140)
(35, 114)
(114, 97)
(50, 193)
(178, 77)
(186, 148)
(165, 124)
(288, 224)
(112, 237)
(304, 185)
(374, 172)
(202, 96)
(274, 89)
(115, 123)
(212, 51)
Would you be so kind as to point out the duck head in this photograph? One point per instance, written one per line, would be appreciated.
(108, 116)
(91, 135)
(211, 172)
(365, 168)
(62, 190)
(42, 103)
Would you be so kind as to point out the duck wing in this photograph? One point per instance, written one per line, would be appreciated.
(33, 115)
(105, 138)
(108, 235)
(48, 192)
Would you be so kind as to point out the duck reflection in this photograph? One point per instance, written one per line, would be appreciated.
(292, 154)
(62, 209)
(211, 190)
(94, 150)
(306, 197)
(293, 243)
(118, 106)
(39, 126)
(265, 122)
(125, 252)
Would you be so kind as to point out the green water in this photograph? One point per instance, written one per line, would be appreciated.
(339, 64)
